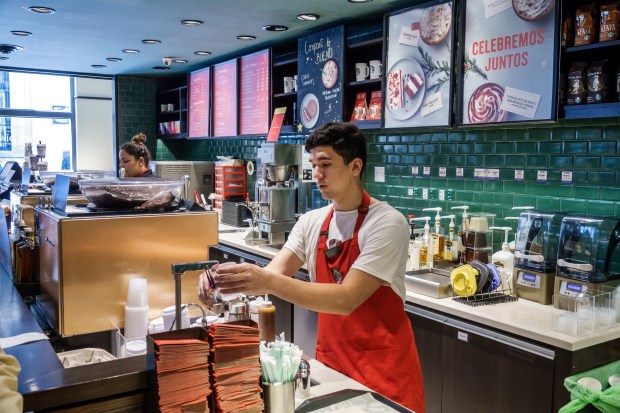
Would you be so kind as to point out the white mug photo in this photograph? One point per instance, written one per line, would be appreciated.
(288, 84)
(361, 72)
(375, 69)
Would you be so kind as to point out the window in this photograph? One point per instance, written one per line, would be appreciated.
(36, 108)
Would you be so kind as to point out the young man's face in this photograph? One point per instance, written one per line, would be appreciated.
(334, 178)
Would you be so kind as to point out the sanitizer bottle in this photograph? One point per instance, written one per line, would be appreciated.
(438, 235)
(450, 252)
(504, 260)
(426, 247)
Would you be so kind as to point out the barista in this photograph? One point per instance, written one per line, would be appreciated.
(134, 158)
(355, 250)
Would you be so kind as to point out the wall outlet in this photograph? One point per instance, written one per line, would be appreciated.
(449, 194)
(424, 193)
(410, 191)
(433, 193)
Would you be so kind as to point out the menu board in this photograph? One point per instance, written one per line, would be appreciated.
(254, 93)
(419, 60)
(510, 61)
(225, 99)
(199, 87)
(320, 78)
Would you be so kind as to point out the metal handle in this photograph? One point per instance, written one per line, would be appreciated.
(580, 267)
(49, 241)
(178, 270)
(535, 258)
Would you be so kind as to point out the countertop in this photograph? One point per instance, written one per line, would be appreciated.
(523, 318)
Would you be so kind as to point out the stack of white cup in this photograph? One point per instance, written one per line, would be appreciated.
(136, 316)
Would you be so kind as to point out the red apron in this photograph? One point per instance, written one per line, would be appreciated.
(373, 345)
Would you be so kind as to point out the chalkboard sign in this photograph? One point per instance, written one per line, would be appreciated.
(320, 78)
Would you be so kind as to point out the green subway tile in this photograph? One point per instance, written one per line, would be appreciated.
(456, 160)
(611, 132)
(590, 133)
(611, 162)
(455, 184)
(587, 162)
(550, 148)
(563, 134)
(466, 148)
(537, 161)
(506, 174)
(473, 185)
(493, 160)
(577, 148)
(439, 183)
(480, 198)
(495, 135)
(400, 148)
(525, 200)
(424, 138)
(439, 137)
(580, 177)
(439, 160)
(468, 172)
(504, 148)
(515, 160)
(393, 138)
(561, 162)
(526, 147)
(422, 181)
(612, 120)
(447, 148)
(560, 190)
(431, 149)
(603, 148)
(610, 194)
(393, 158)
(547, 204)
(518, 135)
(483, 148)
(474, 160)
(456, 136)
(554, 176)
(492, 186)
(475, 136)
(422, 160)
(539, 134)
(600, 207)
(572, 205)
(576, 122)
(463, 196)
(503, 199)
(407, 159)
(415, 148)
(387, 149)
(535, 188)
(407, 138)
(381, 139)
(601, 178)
(587, 192)
(514, 187)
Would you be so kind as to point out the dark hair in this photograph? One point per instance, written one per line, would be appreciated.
(137, 148)
(345, 138)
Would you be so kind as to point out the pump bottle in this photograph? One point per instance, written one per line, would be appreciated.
(504, 260)
(462, 228)
(426, 247)
(451, 245)
(437, 235)
(413, 255)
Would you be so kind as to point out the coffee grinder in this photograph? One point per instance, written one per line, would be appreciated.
(536, 246)
(588, 257)
(281, 190)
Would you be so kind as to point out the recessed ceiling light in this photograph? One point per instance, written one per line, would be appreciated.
(246, 37)
(275, 28)
(131, 51)
(151, 41)
(308, 16)
(202, 53)
(360, 1)
(191, 22)
(20, 33)
(98, 66)
(113, 59)
(4, 58)
(180, 61)
(43, 10)
(161, 67)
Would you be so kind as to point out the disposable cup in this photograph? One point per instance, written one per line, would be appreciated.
(228, 297)
(168, 315)
(136, 322)
(137, 293)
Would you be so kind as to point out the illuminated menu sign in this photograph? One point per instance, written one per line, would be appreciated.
(225, 99)
(199, 83)
(254, 94)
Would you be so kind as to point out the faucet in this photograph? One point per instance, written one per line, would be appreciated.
(178, 270)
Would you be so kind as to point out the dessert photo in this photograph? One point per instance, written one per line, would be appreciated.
(484, 104)
(532, 10)
(309, 110)
(435, 23)
(406, 87)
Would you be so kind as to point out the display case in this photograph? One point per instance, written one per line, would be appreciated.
(284, 64)
(171, 109)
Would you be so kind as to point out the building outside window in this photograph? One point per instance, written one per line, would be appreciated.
(36, 108)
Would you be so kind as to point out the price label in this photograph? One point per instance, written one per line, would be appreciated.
(519, 175)
(426, 171)
(460, 172)
(567, 177)
(541, 176)
(414, 170)
(442, 171)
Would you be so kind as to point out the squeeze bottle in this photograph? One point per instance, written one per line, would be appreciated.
(504, 260)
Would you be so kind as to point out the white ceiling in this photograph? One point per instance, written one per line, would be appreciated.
(82, 33)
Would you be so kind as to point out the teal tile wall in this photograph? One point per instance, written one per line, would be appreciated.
(135, 110)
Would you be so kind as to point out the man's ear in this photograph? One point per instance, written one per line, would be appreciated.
(356, 166)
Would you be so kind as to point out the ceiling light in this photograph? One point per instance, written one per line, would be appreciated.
(130, 51)
(113, 59)
(308, 16)
(161, 67)
(180, 61)
(202, 53)
(151, 41)
(275, 28)
(360, 1)
(43, 10)
(98, 66)
(20, 33)
(246, 37)
(9, 48)
(191, 22)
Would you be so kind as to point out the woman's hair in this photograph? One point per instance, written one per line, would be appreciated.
(137, 148)
(345, 138)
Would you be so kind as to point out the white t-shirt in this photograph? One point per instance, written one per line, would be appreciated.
(383, 240)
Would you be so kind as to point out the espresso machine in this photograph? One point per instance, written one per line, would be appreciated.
(282, 193)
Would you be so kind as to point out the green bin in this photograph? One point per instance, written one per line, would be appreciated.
(606, 400)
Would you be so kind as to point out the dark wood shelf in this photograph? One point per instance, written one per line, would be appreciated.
(592, 110)
(176, 89)
(174, 112)
(286, 62)
(288, 129)
(173, 136)
(365, 82)
(367, 124)
(364, 43)
(282, 95)
(593, 46)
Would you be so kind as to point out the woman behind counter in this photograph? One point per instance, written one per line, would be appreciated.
(134, 158)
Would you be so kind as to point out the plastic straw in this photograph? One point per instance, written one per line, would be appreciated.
(279, 361)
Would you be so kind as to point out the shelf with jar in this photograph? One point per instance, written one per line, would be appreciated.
(364, 74)
(283, 83)
(590, 69)
(171, 106)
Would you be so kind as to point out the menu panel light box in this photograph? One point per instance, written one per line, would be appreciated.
(254, 93)
(225, 99)
(199, 104)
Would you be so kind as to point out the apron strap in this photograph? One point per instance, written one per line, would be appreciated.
(362, 211)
